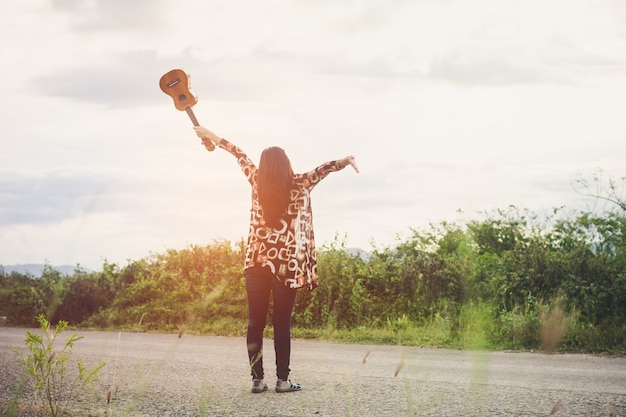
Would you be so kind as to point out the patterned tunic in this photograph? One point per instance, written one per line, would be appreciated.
(289, 252)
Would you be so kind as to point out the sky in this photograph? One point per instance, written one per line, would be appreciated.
(452, 108)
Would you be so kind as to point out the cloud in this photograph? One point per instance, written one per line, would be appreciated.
(472, 69)
(106, 15)
(50, 198)
(130, 79)
(125, 81)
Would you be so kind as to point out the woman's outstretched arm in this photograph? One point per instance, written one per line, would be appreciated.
(312, 178)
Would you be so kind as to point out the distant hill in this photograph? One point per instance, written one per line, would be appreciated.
(36, 269)
(363, 254)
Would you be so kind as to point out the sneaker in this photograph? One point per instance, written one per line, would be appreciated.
(258, 385)
(286, 386)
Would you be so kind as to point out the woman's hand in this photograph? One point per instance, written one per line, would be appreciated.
(349, 160)
(207, 136)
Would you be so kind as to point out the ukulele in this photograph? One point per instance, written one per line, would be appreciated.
(175, 84)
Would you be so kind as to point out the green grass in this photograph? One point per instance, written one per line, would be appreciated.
(474, 326)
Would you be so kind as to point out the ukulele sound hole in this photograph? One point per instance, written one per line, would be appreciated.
(182, 98)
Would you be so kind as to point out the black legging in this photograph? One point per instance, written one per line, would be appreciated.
(260, 282)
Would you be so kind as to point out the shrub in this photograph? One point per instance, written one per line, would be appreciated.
(48, 367)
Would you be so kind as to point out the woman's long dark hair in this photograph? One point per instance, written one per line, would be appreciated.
(274, 185)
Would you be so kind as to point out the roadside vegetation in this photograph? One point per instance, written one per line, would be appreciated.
(511, 280)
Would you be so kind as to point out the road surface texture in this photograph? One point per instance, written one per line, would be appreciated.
(161, 375)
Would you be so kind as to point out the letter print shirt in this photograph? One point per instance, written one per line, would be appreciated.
(289, 252)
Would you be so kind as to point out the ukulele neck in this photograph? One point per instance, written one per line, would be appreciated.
(192, 116)
(209, 145)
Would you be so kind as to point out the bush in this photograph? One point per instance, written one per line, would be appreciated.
(47, 367)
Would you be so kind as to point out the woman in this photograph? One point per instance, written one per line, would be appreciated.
(280, 256)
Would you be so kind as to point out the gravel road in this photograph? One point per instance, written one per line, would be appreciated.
(161, 375)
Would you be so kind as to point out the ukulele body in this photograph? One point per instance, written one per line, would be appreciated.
(175, 84)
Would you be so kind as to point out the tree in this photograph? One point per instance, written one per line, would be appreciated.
(602, 188)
